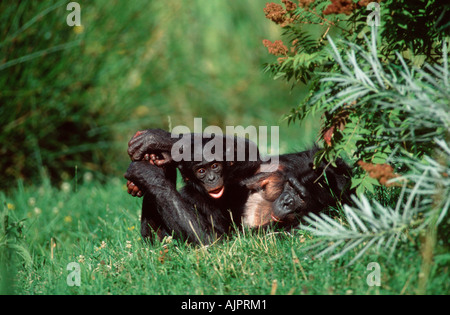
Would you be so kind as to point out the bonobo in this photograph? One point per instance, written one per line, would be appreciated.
(212, 199)
(295, 189)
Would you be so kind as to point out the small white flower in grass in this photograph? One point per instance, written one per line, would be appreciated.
(81, 259)
(31, 201)
(88, 177)
(65, 187)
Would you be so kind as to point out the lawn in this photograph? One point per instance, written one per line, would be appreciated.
(97, 226)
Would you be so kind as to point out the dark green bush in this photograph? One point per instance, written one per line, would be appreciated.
(356, 124)
(383, 92)
(54, 113)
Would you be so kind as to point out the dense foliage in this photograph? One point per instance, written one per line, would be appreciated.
(383, 92)
(361, 82)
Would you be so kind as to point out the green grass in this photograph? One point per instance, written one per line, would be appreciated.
(98, 227)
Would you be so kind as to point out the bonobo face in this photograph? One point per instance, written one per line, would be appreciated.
(211, 177)
(290, 203)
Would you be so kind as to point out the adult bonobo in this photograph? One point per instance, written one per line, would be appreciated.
(295, 189)
(212, 199)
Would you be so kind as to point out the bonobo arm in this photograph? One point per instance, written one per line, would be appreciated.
(177, 214)
(150, 140)
(245, 159)
(153, 145)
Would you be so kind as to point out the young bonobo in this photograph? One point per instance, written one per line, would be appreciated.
(210, 202)
(295, 189)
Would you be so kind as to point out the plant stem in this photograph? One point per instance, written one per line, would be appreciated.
(431, 233)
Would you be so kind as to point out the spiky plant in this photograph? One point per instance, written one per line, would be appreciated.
(412, 109)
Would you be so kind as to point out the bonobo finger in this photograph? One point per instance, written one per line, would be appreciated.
(133, 190)
(164, 158)
(131, 150)
(136, 149)
(136, 190)
(130, 186)
(138, 155)
(133, 147)
(151, 158)
(159, 162)
(299, 188)
(133, 144)
(136, 136)
(138, 133)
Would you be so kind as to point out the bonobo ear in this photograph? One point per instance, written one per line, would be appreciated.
(257, 182)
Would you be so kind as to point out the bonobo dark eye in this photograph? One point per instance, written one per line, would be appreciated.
(214, 166)
(201, 171)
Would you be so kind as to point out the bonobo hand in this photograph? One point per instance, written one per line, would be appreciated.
(153, 159)
(299, 188)
(157, 141)
(144, 141)
(134, 190)
(144, 174)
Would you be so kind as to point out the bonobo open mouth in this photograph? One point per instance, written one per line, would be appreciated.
(275, 218)
(217, 193)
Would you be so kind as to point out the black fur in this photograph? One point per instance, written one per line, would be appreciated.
(301, 188)
(190, 213)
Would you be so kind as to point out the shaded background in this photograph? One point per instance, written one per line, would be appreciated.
(72, 97)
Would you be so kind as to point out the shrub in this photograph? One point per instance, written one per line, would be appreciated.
(383, 92)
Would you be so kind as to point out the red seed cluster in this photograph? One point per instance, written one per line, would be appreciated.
(276, 13)
(340, 6)
(276, 48)
(382, 172)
